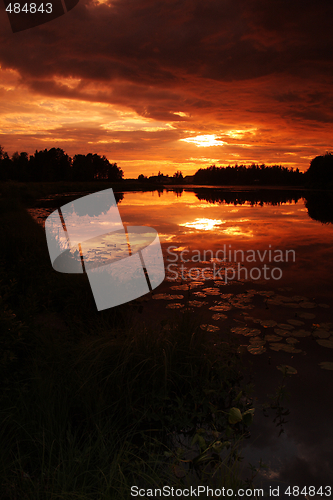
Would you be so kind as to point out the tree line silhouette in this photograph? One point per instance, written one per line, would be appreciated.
(55, 165)
(249, 175)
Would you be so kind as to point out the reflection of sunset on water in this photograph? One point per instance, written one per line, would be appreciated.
(284, 226)
(205, 224)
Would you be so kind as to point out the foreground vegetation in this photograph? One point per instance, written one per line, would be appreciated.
(92, 403)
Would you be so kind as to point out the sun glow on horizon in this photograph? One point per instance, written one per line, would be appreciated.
(204, 141)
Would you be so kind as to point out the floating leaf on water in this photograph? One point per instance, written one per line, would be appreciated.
(284, 326)
(287, 370)
(179, 287)
(308, 305)
(325, 343)
(257, 341)
(321, 334)
(175, 305)
(211, 291)
(197, 303)
(256, 349)
(282, 333)
(167, 296)
(292, 305)
(200, 294)
(219, 308)
(274, 302)
(305, 315)
(266, 293)
(299, 298)
(267, 323)
(227, 295)
(218, 316)
(326, 365)
(253, 331)
(296, 322)
(325, 306)
(326, 326)
(273, 338)
(291, 340)
(247, 318)
(284, 347)
(209, 328)
(240, 330)
(300, 333)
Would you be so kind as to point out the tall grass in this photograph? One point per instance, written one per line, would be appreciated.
(92, 403)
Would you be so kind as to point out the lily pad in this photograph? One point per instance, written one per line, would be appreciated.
(308, 305)
(282, 333)
(287, 370)
(179, 287)
(256, 349)
(167, 296)
(326, 365)
(219, 308)
(240, 330)
(284, 347)
(325, 306)
(219, 316)
(175, 305)
(305, 315)
(273, 338)
(296, 322)
(320, 333)
(210, 328)
(196, 303)
(257, 341)
(267, 323)
(325, 343)
(291, 340)
(211, 291)
(200, 294)
(284, 326)
(300, 333)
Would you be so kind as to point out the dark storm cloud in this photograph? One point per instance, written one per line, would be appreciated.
(164, 44)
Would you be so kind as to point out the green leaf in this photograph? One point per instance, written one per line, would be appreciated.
(248, 416)
(235, 416)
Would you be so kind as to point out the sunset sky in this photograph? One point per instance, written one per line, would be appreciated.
(174, 84)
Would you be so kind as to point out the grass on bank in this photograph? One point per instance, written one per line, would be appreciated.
(94, 402)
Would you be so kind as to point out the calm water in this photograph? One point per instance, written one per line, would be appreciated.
(276, 277)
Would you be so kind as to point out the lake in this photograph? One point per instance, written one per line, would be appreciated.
(255, 264)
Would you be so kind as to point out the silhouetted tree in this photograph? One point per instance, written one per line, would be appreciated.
(49, 165)
(243, 175)
(5, 165)
(178, 177)
(142, 178)
(320, 172)
(20, 166)
(94, 167)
